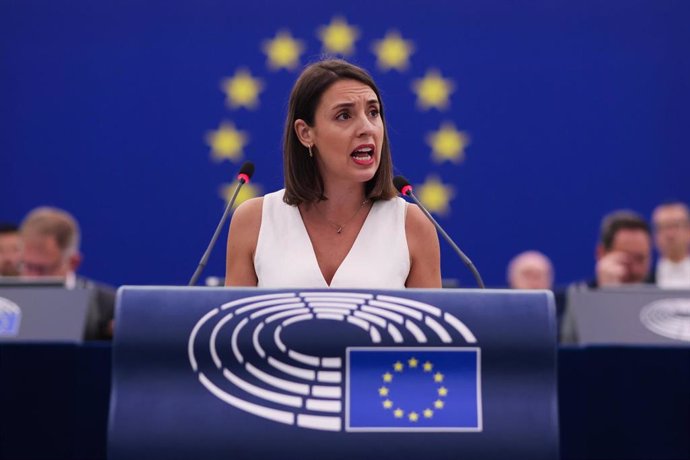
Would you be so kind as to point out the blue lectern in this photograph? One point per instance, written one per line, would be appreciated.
(338, 374)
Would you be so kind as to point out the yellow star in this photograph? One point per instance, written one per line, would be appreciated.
(438, 377)
(433, 90)
(428, 413)
(283, 51)
(413, 416)
(387, 404)
(387, 377)
(383, 391)
(242, 90)
(412, 362)
(435, 195)
(399, 413)
(393, 52)
(443, 391)
(428, 366)
(247, 192)
(227, 142)
(438, 404)
(448, 143)
(398, 367)
(338, 36)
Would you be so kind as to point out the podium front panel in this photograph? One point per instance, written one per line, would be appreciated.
(311, 374)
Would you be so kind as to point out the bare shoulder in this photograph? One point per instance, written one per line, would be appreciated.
(248, 214)
(242, 240)
(245, 225)
(417, 225)
(425, 256)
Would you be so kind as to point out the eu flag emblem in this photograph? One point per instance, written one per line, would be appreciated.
(413, 389)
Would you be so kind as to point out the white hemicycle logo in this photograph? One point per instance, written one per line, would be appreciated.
(668, 317)
(10, 318)
(291, 387)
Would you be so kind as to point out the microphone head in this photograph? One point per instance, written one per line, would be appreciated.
(402, 185)
(246, 172)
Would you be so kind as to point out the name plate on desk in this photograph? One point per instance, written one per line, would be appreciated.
(311, 374)
(36, 312)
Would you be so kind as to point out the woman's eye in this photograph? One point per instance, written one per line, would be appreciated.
(374, 112)
(343, 116)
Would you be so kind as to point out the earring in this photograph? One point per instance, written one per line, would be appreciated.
(311, 155)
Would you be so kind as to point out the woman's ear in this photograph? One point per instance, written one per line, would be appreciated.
(304, 133)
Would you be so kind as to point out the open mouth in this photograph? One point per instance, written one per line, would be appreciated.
(364, 154)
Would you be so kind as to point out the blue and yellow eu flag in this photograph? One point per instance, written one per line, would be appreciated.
(415, 389)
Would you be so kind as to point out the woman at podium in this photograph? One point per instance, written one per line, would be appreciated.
(338, 222)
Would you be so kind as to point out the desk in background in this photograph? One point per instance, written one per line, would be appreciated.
(620, 403)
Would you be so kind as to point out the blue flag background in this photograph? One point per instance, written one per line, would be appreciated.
(521, 123)
(414, 389)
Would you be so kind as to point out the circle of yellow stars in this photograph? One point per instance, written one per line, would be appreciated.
(242, 90)
(448, 144)
(413, 416)
(227, 142)
(393, 51)
(338, 37)
(435, 194)
(283, 51)
(433, 91)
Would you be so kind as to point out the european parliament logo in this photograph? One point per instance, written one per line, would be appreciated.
(341, 361)
(668, 318)
(10, 318)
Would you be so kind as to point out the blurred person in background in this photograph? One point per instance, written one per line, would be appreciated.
(9, 250)
(50, 248)
(671, 223)
(623, 257)
(534, 270)
(624, 252)
(530, 270)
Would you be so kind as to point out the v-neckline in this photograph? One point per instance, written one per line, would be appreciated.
(315, 261)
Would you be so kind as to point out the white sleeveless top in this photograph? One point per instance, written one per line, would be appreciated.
(378, 259)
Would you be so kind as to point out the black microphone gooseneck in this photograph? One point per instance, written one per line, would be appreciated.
(404, 187)
(246, 173)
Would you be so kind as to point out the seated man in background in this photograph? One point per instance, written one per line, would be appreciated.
(9, 250)
(50, 248)
(623, 255)
(530, 270)
(534, 270)
(624, 252)
(671, 222)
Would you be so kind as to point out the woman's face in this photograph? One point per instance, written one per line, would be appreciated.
(347, 134)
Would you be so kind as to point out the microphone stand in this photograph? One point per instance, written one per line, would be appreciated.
(466, 260)
(207, 254)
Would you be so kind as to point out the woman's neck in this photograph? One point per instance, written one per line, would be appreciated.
(342, 197)
(343, 200)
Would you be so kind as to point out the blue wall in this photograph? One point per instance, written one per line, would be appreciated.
(573, 108)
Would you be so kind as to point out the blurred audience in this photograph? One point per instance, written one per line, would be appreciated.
(534, 270)
(50, 248)
(623, 256)
(624, 252)
(530, 270)
(10, 255)
(671, 223)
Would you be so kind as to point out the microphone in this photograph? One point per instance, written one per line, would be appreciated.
(246, 173)
(404, 187)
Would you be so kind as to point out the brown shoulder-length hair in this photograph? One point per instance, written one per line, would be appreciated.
(303, 182)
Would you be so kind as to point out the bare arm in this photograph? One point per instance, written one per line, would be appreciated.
(425, 254)
(242, 239)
